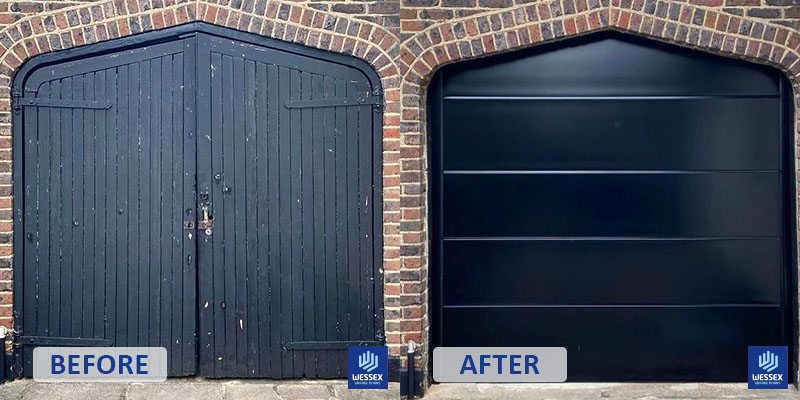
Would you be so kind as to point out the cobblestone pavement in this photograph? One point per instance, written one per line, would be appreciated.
(602, 391)
(194, 389)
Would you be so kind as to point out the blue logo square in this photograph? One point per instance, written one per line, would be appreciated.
(367, 367)
(767, 367)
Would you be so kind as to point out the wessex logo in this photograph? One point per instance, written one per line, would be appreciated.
(766, 367)
(367, 367)
(768, 361)
(368, 361)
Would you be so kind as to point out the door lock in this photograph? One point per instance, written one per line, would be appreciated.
(206, 220)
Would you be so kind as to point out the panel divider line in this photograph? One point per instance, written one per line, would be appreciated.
(610, 305)
(603, 172)
(615, 97)
(604, 238)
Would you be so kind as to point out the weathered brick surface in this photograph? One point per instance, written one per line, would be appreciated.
(405, 41)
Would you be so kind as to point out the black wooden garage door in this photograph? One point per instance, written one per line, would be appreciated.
(623, 199)
(122, 158)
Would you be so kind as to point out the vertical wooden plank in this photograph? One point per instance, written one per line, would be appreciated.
(169, 253)
(31, 233)
(170, 221)
(67, 271)
(127, 100)
(88, 210)
(237, 196)
(285, 207)
(249, 323)
(331, 285)
(294, 177)
(228, 237)
(118, 150)
(182, 242)
(144, 210)
(352, 233)
(133, 210)
(317, 149)
(54, 216)
(76, 188)
(99, 245)
(208, 88)
(274, 220)
(262, 217)
(111, 203)
(307, 217)
(154, 198)
(217, 142)
(342, 278)
(41, 233)
(185, 126)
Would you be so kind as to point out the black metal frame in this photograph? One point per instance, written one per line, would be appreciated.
(788, 113)
(172, 34)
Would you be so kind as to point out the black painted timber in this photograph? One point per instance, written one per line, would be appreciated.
(119, 146)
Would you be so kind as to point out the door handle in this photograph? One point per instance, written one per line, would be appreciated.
(206, 220)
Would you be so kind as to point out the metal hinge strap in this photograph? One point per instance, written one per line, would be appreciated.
(62, 341)
(353, 101)
(58, 103)
(16, 94)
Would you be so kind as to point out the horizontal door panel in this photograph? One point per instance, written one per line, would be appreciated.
(612, 204)
(577, 134)
(697, 344)
(619, 66)
(514, 272)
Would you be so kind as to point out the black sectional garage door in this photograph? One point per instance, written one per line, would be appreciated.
(623, 199)
(203, 193)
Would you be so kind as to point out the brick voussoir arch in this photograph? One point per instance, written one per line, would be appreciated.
(95, 22)
(498, 31)
(679, 23)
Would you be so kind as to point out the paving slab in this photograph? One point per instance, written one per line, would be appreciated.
(247, 390)
(14, 390)
(176, 389)
(74, 391)
(304, 391)
(615, 391)
(341, 392)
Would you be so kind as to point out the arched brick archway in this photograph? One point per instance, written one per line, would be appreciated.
(527, 25)
(95, 22)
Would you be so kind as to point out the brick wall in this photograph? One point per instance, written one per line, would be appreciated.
(405, 41)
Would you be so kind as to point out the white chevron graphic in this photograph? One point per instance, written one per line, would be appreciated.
(768, 361)
(368, 361)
